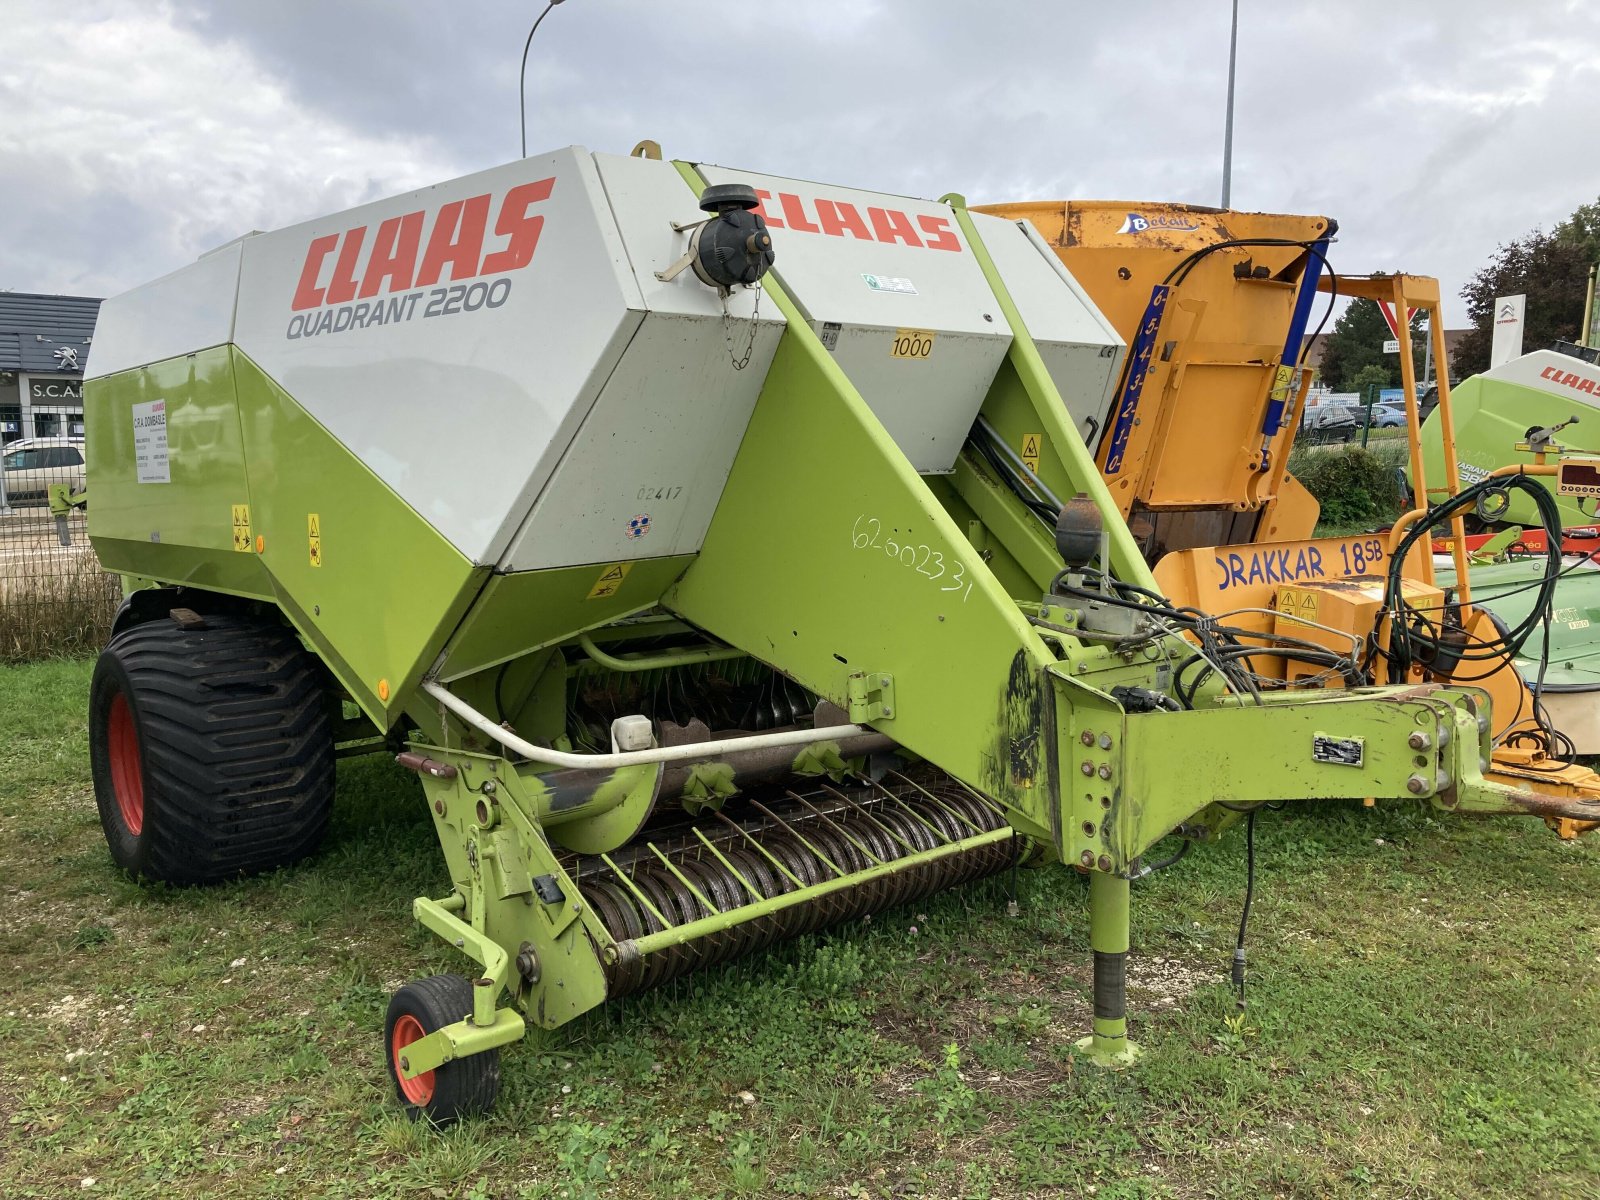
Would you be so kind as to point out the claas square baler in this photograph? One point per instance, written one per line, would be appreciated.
(726, 554)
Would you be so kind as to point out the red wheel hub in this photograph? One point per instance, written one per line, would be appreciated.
(127, 768)
(408, 1029)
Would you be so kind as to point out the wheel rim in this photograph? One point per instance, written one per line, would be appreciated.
(408, 1029)
(127, 768)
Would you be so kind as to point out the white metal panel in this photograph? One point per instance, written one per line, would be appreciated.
(1553, 372)
(463, 409)
(647, 196)
(188, 310)
(961, 364)
(871, 265)
(1080, 348)
(645, 471)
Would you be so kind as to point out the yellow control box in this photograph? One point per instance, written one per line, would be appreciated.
(1331, 612)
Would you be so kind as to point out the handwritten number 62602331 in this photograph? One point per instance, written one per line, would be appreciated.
(867, 534)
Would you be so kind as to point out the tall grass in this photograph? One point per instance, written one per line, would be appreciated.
(55, 601)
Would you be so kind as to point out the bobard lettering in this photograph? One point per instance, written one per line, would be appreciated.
(1289, 565)
(1139, 223)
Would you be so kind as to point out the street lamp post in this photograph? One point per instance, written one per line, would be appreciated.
(522, 76)
(1227, 136)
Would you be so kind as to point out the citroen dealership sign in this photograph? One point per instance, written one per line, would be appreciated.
(1507, 343)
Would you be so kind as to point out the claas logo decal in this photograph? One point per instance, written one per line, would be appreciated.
(351, 281)
(1571, 379)
(840, 218)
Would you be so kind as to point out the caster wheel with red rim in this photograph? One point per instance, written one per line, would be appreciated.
(462, 1088)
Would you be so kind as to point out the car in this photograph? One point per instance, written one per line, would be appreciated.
(1330, 417)
(1389, 414)
(33, 464)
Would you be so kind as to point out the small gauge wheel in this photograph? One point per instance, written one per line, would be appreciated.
(464, 1087)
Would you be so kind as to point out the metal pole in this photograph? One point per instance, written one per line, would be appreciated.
(24, 413)
(1586, 337)
(1427, 361)
(522, 76)
(1227, 136)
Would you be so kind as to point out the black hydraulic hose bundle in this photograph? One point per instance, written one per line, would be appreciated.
(1417, 639)
(1037, 506)
(1222, 648)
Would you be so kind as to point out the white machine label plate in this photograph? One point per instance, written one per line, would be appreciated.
(891, 283)
(150, 442)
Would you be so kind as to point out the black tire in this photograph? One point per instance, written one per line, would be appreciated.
(211, 749)
(465, 1087)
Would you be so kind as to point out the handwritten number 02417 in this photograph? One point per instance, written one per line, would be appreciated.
(867, 534)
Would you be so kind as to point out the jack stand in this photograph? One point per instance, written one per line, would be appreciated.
(1108, 1045)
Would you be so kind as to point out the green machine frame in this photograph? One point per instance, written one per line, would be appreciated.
(913, 604)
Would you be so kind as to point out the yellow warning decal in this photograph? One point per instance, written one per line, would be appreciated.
(610, 581)
(314, 538)
(1282, 381)
(911, 343)
(1293, 602)
(242, 541)
(1030, 450)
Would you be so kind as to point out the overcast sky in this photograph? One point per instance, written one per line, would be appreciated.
(135, 135)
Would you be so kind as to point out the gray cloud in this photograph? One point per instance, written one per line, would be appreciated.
(138, 135)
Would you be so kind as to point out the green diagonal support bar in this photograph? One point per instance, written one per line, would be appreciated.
(1051, 410)
(812, 433)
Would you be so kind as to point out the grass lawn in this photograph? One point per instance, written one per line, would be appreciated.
(1424, 1022)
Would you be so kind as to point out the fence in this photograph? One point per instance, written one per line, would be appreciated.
(54, 600)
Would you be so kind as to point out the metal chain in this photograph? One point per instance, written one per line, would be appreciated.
(740, 362)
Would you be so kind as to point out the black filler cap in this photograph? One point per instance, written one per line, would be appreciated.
(735, 246)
